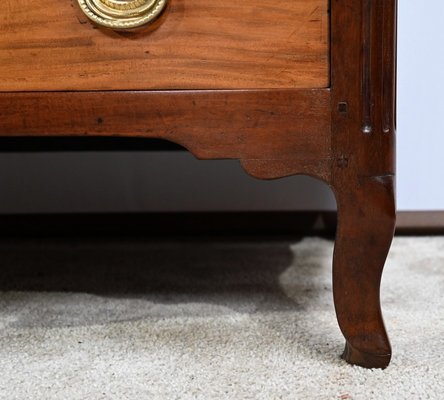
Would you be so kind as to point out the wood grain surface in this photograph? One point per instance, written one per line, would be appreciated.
(363, 40)
(197, 44)
(277, 126)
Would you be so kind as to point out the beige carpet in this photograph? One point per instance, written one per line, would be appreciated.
(234, 319)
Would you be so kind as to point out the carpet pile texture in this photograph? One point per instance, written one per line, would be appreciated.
(215, 319)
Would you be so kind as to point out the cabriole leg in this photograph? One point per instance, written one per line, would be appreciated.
(366, 220)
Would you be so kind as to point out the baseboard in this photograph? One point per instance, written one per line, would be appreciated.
(155, 224)
(420, 222)
(206, 223)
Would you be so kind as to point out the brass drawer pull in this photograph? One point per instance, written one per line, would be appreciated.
(122, 15)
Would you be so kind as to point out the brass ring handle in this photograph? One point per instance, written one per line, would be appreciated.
(122, 15)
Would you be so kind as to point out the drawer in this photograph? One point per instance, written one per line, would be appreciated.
(50, 45)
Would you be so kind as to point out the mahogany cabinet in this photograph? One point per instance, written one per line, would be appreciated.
(284, 86)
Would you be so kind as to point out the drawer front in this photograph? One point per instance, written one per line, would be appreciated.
(196, 44)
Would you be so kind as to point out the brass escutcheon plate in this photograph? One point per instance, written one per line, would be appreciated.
(122, 15)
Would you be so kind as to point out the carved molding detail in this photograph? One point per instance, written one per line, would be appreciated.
(378, 66)
(366, 78)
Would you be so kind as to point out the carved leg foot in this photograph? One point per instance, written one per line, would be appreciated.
(366, 220)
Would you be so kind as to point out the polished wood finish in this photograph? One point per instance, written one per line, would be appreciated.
(343, 135)
(366, 223)
(197, 44)
(363, 144)
(196, 120)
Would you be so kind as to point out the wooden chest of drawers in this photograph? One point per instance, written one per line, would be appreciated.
(285, 86)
